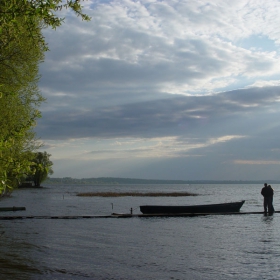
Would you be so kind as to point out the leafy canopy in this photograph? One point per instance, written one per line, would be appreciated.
(22, 48)
(32, 11)
(41, 168)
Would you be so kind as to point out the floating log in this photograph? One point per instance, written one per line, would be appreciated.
(12, 208)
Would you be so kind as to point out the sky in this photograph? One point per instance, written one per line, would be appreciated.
(185, 90)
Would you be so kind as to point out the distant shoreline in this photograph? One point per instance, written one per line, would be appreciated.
(130, 181)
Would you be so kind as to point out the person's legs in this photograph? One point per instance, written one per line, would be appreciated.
(269, 204)
(265, 204)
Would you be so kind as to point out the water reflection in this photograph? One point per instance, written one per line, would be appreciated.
(16, 259)
(267, 217)
(269, 238)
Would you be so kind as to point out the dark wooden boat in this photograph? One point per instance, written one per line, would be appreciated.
(208, 208)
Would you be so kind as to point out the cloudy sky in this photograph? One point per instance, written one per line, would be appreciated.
(164, 90)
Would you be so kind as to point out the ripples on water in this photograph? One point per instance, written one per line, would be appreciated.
(210, 247)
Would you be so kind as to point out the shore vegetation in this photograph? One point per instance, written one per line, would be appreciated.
(22, 48)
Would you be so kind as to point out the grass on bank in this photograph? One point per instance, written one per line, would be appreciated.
(119, 194)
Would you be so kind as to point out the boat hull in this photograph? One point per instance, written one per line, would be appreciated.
(208, 208)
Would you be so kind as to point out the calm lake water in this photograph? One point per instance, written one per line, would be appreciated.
(209, 247)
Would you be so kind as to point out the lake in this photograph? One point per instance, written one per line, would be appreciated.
(207, 247)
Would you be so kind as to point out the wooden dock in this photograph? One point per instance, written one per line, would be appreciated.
(119, 215)
(14, 208)
(190, 214)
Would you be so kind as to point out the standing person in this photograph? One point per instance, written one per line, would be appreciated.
(271, 201)
(267, 193)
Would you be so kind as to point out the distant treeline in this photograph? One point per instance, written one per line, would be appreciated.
(122, 181)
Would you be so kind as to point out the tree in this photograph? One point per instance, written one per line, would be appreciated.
(19, 101)
(41, 168)
(22, 48)
(32, 11)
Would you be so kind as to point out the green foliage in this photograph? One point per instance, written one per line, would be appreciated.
(20, 98)
(33, 11)
(22, 48)
(41, 167)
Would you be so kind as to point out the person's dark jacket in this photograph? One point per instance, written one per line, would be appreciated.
(266, 191)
